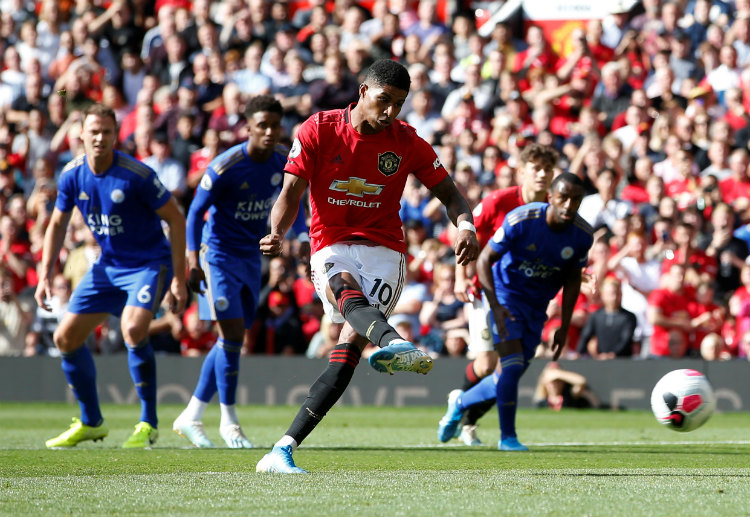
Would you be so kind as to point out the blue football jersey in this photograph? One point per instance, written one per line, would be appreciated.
(534, 258)
(119, 207)
(238, 193)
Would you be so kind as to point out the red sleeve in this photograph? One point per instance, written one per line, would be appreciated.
(428, 168)
(301, 159)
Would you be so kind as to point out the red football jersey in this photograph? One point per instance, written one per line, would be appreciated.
(490, 213)
(356, 181)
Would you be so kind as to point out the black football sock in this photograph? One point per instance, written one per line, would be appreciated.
(325, 391)
(365, 319)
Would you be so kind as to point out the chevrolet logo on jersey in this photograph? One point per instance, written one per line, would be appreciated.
(356, 187)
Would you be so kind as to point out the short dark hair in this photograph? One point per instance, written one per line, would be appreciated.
(538, 154)
(263, 103)
(100, 110)
(567, 177)
(386, 72)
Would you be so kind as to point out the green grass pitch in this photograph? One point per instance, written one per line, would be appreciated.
(380, 461)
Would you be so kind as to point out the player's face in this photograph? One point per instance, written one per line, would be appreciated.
(564, 201)
(536, 177)
(98, 136)
(380, 105)
(264, 129)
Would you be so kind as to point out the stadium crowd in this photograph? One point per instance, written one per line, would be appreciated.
(649, 106)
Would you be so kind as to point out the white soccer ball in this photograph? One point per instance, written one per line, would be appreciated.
(683, 400)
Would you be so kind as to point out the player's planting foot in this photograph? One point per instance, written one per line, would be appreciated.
(76, 433)
(234, 437)
(469, 435)
(279, 461)
(511, 444)
(401, 357)
(144, 436)
(193, 432)
(448, 426)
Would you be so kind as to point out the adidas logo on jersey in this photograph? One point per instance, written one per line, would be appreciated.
(244, 186)
(337, 159)
(83, 196)
(531, 247)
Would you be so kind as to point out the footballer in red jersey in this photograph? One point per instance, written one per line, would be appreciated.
(355, 162)
(357, 180)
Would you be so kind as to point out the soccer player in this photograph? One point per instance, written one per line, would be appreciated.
(356, 161)
(536, 168)
(540, 248)
(123, 203)
(238, 190)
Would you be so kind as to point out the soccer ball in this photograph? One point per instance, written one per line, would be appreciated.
(683, 400)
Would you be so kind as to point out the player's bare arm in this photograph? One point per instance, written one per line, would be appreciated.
(171, 214)
(53, 242)
(571, 290)
(466, 246)
(487, 257)
(283, 213)
(196, 277)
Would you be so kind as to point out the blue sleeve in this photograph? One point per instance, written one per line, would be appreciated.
(153, 191)
(501, 240)
(204, 197)
(65, 202)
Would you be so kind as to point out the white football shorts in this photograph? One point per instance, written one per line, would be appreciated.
(379, 271)
(480, 337)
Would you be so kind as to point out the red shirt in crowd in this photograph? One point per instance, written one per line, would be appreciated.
(670, 305)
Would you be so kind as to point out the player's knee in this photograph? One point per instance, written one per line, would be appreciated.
(132, 333)
(484, 365)
(64, 342)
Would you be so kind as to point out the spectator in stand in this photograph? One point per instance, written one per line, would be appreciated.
(729, 251)
(229, 120)
(445, 311)
(614, 96)
(336, 89)
(706, 321)
(667, 312)
(735, 190)
(608, 332)
(197, 337)
(250, 79)
(538, 55)
(14, 315)
(726, 75)
(718, 154)
(39, 337)
(603, 208)
(169, 171)
(639, 276)
(200, 159)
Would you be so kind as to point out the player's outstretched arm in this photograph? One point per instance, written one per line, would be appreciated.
(283, 213)
(466, 246)
(53, 242)
(171, 214)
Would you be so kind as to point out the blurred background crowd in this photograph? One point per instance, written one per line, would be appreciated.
(648, 105)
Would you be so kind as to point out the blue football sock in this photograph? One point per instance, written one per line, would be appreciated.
(142, 364)
(227, 369)
(80, 372)
(513, 367)
(484, 390)
(206, 387)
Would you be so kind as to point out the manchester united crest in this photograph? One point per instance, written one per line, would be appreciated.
(388, 163)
